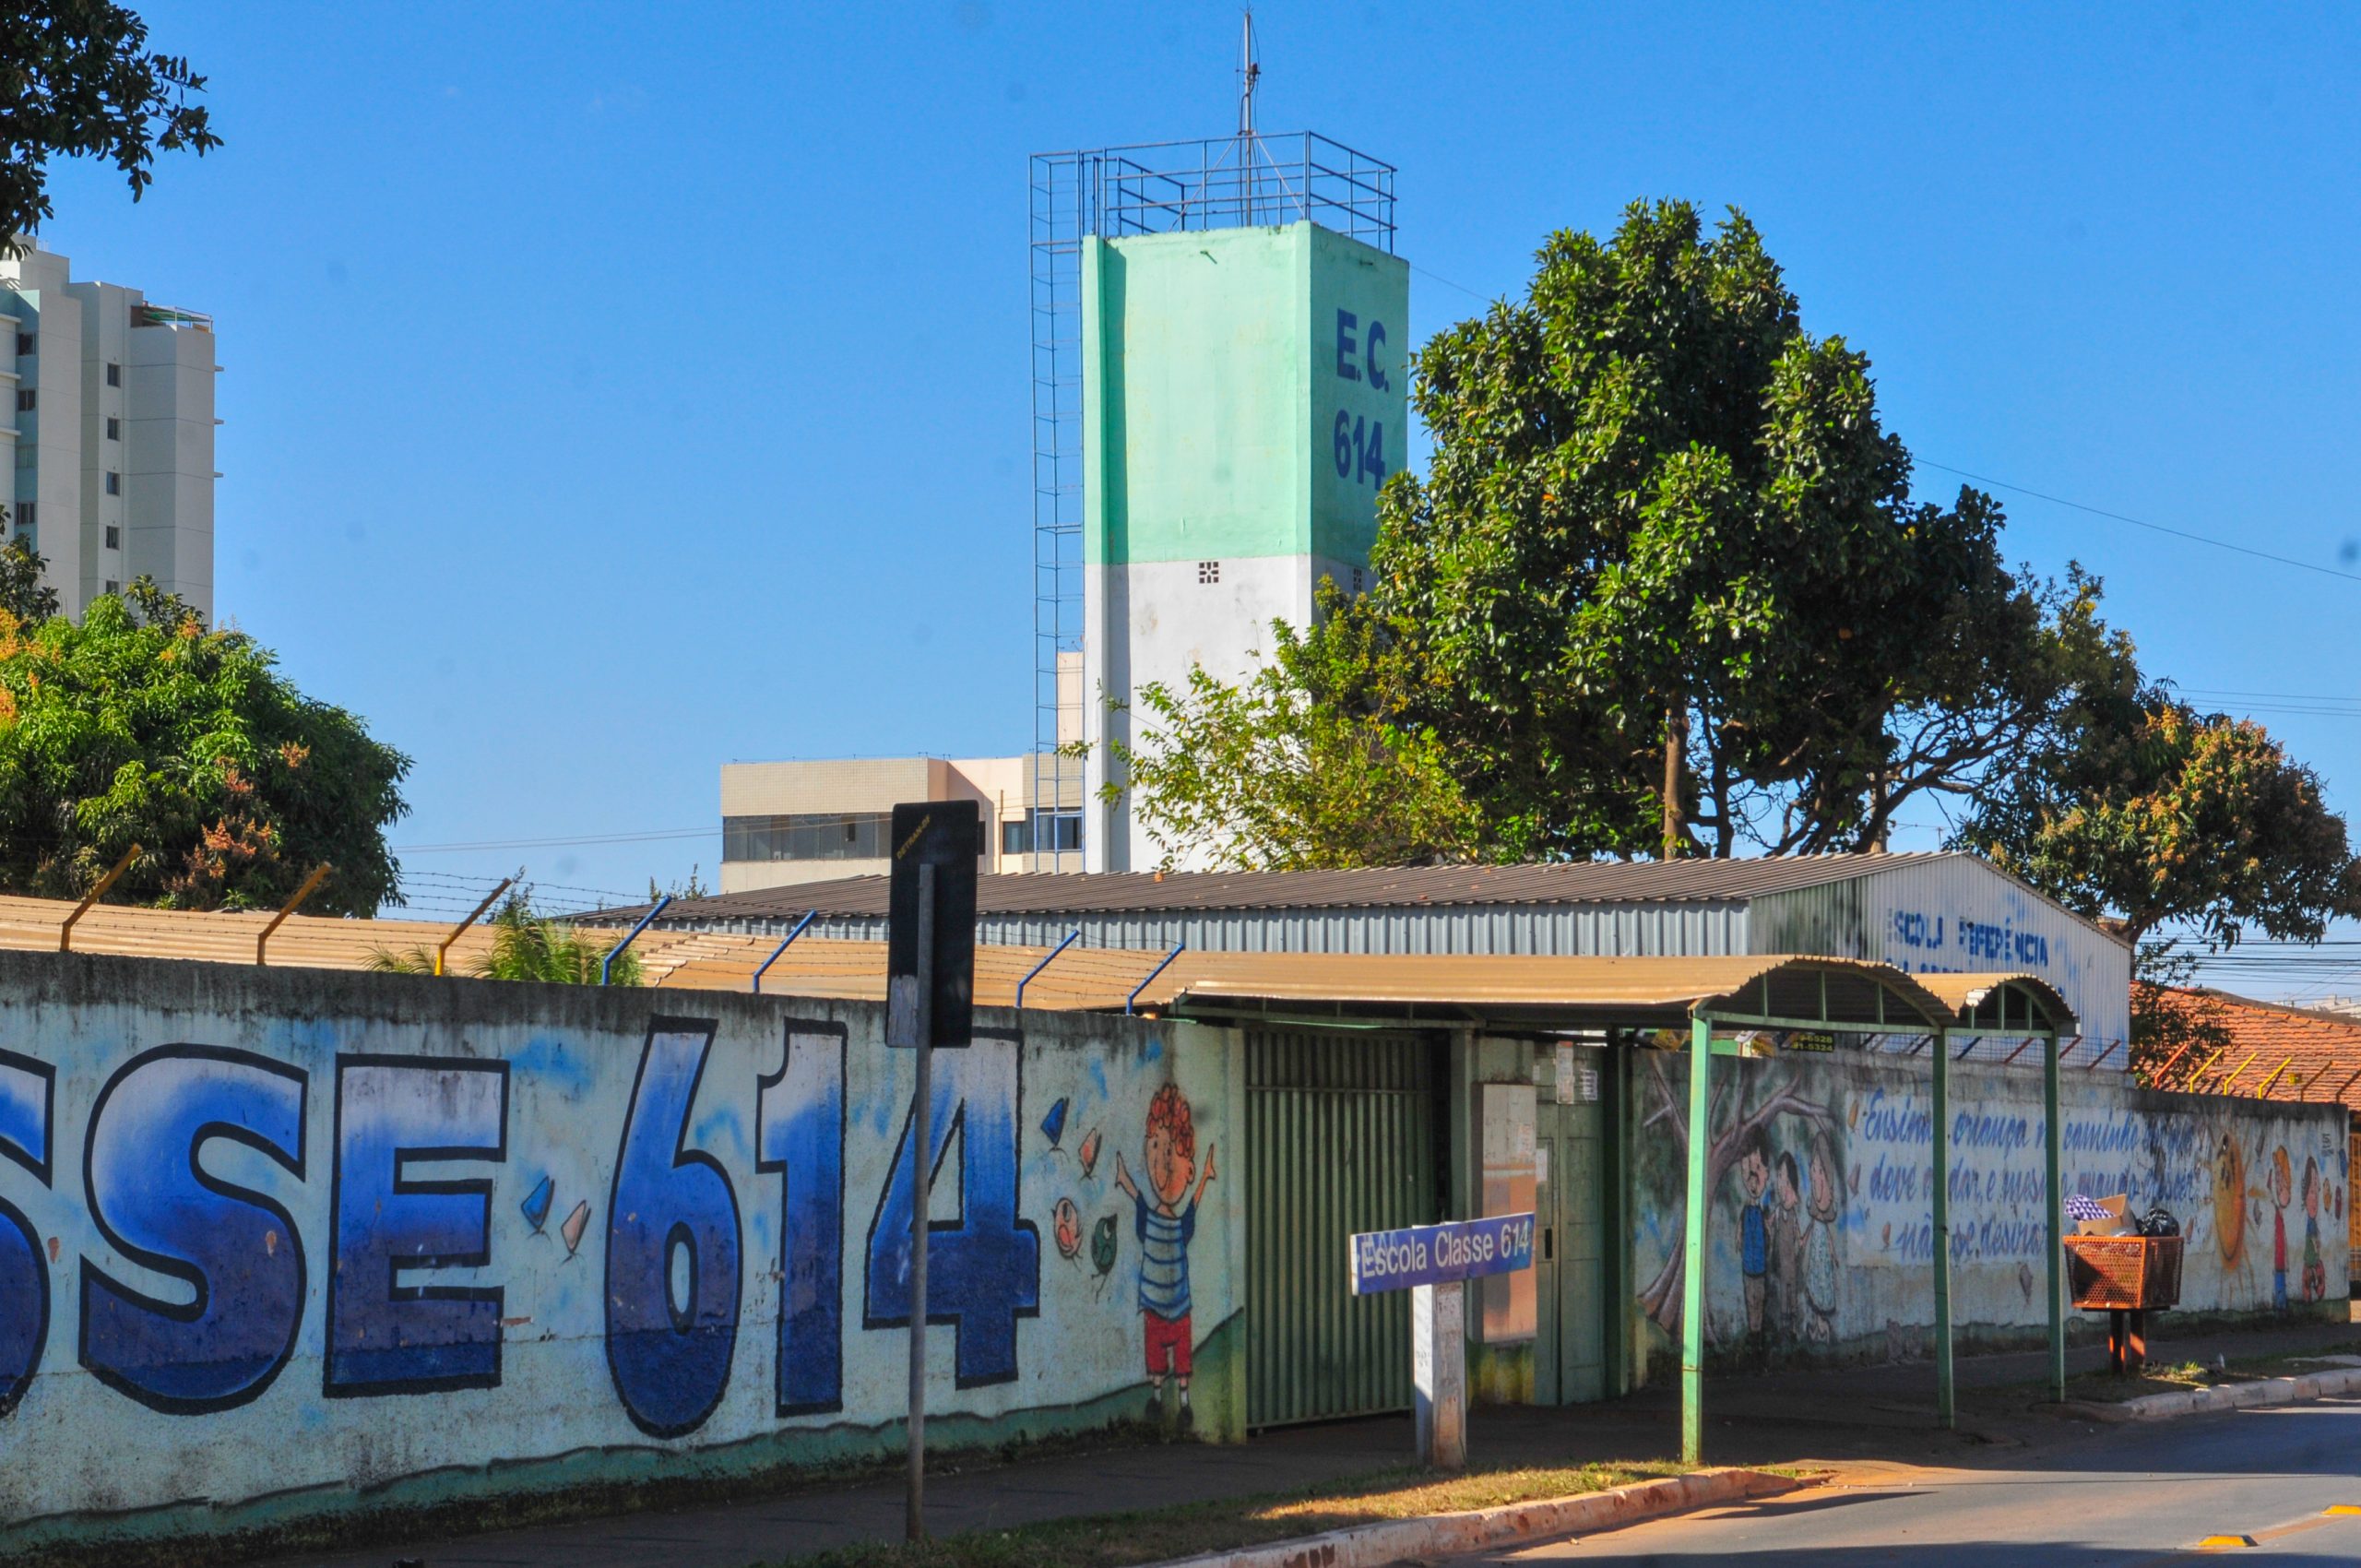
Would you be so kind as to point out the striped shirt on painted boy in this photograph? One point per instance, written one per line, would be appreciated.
(1164, 1259)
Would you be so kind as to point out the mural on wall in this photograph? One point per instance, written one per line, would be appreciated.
(1164, 1225)
(323, 1234)
(1820, 1233)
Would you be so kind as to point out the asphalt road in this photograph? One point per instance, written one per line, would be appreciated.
(2126, 1496)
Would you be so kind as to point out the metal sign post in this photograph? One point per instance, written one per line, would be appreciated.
(1433, 1263)
(931, 975)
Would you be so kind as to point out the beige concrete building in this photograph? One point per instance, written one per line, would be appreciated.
(784, 823)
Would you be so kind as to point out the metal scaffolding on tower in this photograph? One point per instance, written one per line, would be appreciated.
(1227, 182)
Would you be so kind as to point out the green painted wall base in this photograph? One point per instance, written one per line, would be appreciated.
(1500, 1374)
(591, 1482)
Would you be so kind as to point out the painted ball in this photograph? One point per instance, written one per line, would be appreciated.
(1102, 1245)
(1066, 1222)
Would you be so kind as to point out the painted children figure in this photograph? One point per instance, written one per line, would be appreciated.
(1786, 1273)
(2282, 1192)
(1819, 1245)
(1753, 1236)
(1165, 1225)
(2315, 1267)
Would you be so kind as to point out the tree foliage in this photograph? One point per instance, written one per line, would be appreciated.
(2139, 808)
(79, 81)
(1660, 518)
(1287, 772)
(22, 593)
(140, 726)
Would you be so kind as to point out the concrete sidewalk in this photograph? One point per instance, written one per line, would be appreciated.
(1883, 1412)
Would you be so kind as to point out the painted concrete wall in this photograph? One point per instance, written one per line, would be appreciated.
(1834, 1152)
(1958, 915)
(270, 1238)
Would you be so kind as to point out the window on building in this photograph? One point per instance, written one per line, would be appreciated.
(114, 483)
(26, 399)
(115, 432)
(115, 374)
(821, 835)
(1208, 571)
(1054, 833)
(114, 586)
(27, 344)
(114, 537)
(24, 515)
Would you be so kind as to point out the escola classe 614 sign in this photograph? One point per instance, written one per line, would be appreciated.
(1438, 1254)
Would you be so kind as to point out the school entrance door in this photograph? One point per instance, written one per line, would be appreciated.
(1571, 1254)
(1340, 1130)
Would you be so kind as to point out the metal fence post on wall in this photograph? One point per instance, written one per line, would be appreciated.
(443, 946)
(1071, 937)
(311, 885)
(1946, 1411)
(757, 984)
(2053, 1145)
(607, 964)
(1692, 1285)
(65, 932)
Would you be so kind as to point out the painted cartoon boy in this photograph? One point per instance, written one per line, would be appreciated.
(2282, 1192)
(2315, 1264)
(1785, 1278)
(1165, 1227)
(1754, 1234)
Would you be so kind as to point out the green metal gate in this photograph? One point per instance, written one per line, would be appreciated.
(1340, 1128)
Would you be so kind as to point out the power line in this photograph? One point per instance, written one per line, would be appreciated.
(558, 843)
(2140, 522)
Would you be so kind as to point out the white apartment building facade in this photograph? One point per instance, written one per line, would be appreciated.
(784, 823)
(106, 402)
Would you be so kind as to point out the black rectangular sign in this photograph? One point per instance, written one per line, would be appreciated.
(946, 835)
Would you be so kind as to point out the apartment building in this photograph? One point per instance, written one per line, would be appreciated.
(784, 823)
(109, 412)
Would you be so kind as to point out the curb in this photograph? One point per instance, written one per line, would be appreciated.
(1450, 1535)
(2224, 1396)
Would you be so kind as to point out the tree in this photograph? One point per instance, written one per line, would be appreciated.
(1663, 585)
(1287, 772)
(2170, 826)
(80, 81)
(22, 593)
(2138, 809)
(140, 726)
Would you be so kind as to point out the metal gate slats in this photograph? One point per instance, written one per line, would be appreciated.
(1340, 1126)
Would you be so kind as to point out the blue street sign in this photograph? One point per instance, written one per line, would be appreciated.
(1437, 1254)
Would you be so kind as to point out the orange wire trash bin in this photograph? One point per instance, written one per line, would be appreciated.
(2127, 1278)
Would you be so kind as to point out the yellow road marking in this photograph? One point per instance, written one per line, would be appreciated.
(2217, 1543)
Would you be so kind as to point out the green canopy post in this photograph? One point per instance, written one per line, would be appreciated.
(2056, 1201)
(1692, 1285)
(1946, 1409)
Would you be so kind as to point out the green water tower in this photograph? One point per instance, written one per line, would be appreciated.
(1210, 438)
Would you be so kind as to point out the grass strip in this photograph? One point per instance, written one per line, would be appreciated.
(1153, 1535)
(2107, 1389)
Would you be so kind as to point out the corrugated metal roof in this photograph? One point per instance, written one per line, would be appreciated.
(1086, 977)
(1771, 986)
(1586, 882)
(1965, 993)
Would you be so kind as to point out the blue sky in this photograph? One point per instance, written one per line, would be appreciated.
(615, 391)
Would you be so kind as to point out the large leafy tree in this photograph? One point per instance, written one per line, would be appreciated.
(2139, 809)
(1663, 586)
(141, 726)
(78, 80)
(2182, 829)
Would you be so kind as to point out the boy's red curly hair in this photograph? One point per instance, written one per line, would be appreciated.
(1168, 1113)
